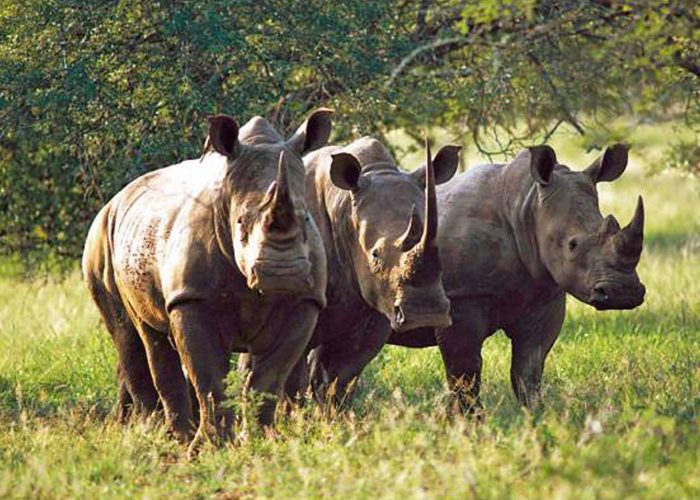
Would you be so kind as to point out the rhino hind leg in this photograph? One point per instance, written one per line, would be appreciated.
(137, 394)
(532, 337)
(460, 347)
(125, 404)
(170, 382)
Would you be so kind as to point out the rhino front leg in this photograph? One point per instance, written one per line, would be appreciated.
(532, 337)
(460, 347)
(298, 380)
(336, 364)
(199, 343)
(270, 367)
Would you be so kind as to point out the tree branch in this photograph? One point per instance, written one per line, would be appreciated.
(418, 51)
(420, 20)
(688, 65)
(561, 101)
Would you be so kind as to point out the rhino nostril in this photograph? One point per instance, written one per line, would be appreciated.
(399, 315)
(600, 293)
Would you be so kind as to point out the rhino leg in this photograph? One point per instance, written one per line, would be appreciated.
(270, 367)
(200, 345)
(532, 337)
(170, 381)
(137, 395)
(298, 380)
(126, 402)
(336, 364)
(460, 347)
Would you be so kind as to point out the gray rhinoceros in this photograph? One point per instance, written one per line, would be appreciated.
(192, 262)
(378, 226)
(514, 239)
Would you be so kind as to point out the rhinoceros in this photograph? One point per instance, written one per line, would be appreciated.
(514, 239)
(192, 262)
(378, 225)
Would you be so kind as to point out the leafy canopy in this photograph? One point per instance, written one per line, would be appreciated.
(93, 94)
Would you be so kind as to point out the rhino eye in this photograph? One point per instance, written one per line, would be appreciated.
(375, 256)
(242, 229)
(573, 244)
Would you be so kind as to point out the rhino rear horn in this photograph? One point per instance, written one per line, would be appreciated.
(412, 236)
(631, 237)
(610, 225)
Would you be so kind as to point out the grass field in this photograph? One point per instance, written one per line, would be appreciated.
(622, 394)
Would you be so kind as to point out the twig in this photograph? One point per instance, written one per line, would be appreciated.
(568, 115)
(435, 44)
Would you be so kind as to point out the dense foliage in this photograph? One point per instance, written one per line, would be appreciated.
(94, 93)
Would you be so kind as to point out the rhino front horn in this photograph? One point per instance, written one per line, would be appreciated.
(632, 235)
(431, 221)
(282, 208)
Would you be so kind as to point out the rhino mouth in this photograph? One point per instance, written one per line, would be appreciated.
(281, 276)
(607, 295)
(404, 319)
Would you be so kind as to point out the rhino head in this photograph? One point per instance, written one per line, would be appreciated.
(588, 255)
(393, 251)
(266, 216)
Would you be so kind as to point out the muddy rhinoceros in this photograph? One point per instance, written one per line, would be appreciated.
(378, 225)
(514, 239)
(192, 262)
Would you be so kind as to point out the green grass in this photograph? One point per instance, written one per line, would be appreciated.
(622, 393)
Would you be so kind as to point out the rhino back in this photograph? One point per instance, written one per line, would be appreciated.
(477, 247)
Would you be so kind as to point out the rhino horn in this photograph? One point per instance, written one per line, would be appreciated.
(610, 225)
(281, 208)
(431, 221)
(411, 237)
(631, 237)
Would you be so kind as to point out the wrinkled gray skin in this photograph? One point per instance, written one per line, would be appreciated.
(192, 262)
(514, 239)
(378, 226)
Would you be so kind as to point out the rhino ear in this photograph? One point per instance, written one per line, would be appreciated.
(223, 134)
(445, 165)
(542, 163)
(345, 171)
(313, 133)
(610, 165)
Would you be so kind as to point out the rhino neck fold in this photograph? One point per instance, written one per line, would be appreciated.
(520, 207)
(222, 226)
(343, 237)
